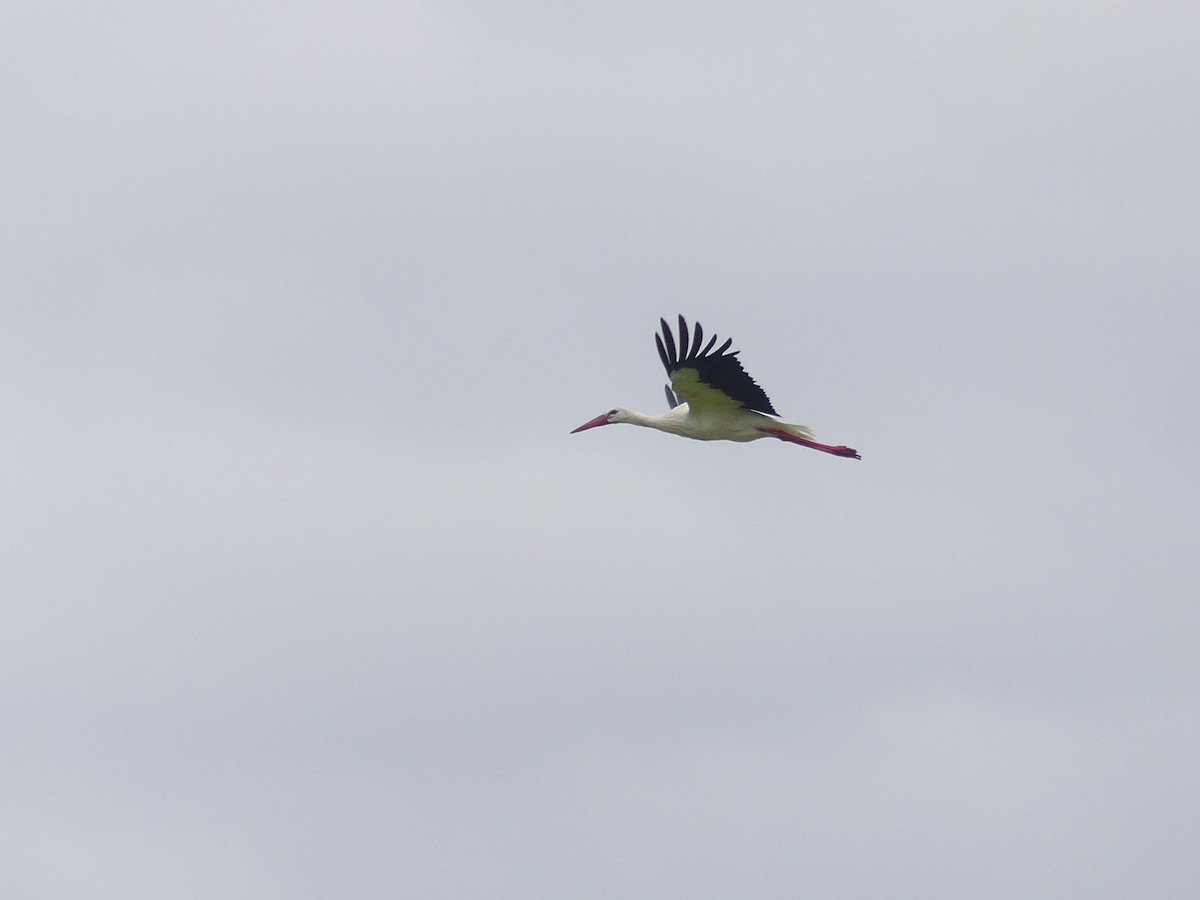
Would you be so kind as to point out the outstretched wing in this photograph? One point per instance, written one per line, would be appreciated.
(708, 379)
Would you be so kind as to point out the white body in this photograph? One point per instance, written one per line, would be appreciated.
(714, 425)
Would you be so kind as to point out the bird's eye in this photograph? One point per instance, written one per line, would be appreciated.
(612, 412)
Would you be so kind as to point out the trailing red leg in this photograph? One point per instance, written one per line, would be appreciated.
(848, 452)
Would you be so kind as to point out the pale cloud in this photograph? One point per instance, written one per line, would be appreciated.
(309, 592)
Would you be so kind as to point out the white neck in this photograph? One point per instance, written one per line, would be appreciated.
(672, 422)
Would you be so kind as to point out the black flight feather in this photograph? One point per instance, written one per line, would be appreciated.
(669, 357)
(717, 369)
(662, 353)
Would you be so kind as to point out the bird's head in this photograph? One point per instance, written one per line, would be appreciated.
(612, 417)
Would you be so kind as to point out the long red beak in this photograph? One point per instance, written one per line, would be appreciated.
(596, 422)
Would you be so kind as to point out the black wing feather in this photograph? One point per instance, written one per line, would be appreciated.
(672, 359)
(718, 369)
(662, 353)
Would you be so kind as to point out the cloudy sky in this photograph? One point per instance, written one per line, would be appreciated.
(306, 591)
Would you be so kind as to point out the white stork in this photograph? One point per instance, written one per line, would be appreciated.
(720, 401)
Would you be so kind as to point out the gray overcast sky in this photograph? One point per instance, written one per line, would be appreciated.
(307, 592)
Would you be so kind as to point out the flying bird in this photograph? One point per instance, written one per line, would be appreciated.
(720, 402)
